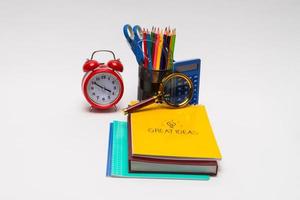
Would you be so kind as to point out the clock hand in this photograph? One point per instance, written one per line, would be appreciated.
(106, 89)
(101, 87)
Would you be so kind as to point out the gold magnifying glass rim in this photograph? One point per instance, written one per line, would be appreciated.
(187, 79)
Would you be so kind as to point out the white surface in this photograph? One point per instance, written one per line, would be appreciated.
(51, 147)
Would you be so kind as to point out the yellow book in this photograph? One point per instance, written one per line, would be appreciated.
(159, 131)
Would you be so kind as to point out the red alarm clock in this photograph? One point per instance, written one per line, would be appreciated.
(102, 84)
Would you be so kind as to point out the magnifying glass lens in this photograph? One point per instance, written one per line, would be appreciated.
(177, 91)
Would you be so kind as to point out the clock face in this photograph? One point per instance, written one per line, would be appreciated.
(103, 88)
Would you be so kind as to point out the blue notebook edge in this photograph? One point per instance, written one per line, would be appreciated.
(109, 151)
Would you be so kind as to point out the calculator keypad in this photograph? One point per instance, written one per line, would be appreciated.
(194, 75)
(182, 90)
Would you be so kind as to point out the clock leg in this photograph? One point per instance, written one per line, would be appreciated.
(91, 109)
(116, 108)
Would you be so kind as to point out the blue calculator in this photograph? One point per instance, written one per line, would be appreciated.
(191, 68)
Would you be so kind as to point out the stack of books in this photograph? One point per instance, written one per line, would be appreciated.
(159, 142)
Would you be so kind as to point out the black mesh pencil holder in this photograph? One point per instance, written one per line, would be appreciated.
(149, 81)
(151, 76)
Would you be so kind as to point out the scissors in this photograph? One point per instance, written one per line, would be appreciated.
(135, 37)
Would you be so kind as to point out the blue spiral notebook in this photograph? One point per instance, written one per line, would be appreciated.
(117, 158)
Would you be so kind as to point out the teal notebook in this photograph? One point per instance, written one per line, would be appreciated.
(117, 161)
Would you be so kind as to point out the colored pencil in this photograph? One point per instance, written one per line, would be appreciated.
(168, 46)
(160, 44)
(146, 60)
(172, 47)
(149, 45)
(153, 45)
(164, 53)
(156, 66)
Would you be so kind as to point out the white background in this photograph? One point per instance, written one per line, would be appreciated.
(52, 147)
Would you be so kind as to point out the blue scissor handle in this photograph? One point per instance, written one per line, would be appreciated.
(128, 32)
(134, 38)
(138, 35)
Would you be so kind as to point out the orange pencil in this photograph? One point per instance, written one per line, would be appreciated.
(156, 50)
(159, 50)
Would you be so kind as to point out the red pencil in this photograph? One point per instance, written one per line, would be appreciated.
(146, 59)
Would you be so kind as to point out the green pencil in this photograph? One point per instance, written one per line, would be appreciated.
(172, 47)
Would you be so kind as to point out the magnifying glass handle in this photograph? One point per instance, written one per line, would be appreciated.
(139, 105)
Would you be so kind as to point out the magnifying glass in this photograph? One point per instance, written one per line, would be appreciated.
(175, 90)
